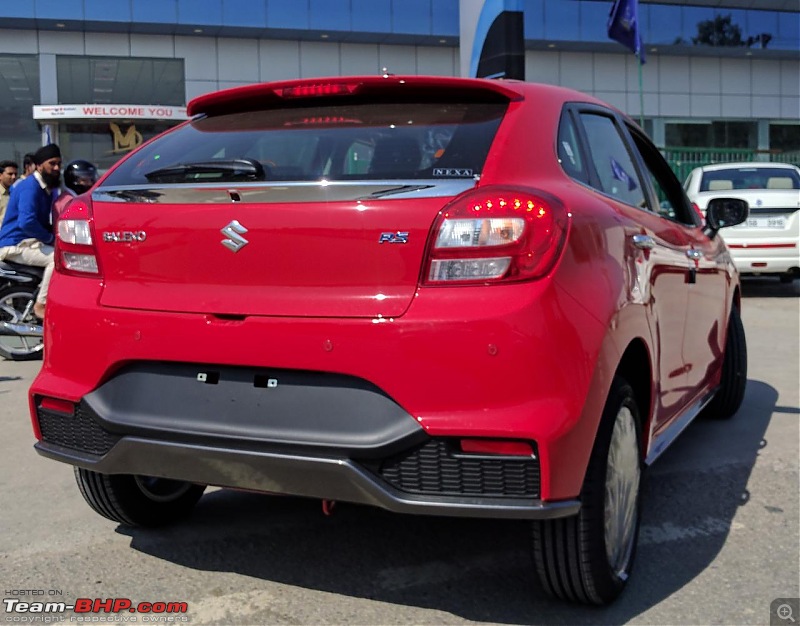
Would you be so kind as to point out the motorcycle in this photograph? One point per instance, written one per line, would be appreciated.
(20, 330)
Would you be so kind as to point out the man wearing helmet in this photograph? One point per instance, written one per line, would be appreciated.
(79, 176)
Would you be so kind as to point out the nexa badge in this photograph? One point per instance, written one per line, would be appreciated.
(396, 237)
(458, 172)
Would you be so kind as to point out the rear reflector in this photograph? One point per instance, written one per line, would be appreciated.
(496, 447)
(57, 405)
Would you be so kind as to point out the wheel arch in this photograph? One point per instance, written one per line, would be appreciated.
(737, 298)
(636, 367)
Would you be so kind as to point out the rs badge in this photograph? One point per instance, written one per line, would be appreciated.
(396, 237)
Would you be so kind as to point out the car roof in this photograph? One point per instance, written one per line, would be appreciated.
(277, 94)
(746, 164)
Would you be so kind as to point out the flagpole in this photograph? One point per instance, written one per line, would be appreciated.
(641, 91)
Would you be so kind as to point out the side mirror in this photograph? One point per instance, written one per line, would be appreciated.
(724, 212)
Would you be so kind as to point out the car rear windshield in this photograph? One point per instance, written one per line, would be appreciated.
(750, 178)
(351, 142)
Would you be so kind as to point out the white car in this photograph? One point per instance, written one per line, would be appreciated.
(768, 242)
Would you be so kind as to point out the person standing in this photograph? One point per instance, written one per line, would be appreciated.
(28, 167)
(26, 235)
(8, 176)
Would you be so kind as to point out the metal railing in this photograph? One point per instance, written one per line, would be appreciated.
(684, 160)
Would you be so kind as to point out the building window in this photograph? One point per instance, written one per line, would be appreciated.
(110, 80)
(742, 135)
(784, 137)
(19, 91)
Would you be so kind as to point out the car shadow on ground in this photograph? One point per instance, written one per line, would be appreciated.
(479, 570)
(769, 287)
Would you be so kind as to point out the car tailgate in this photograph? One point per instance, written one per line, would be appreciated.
(331, 254)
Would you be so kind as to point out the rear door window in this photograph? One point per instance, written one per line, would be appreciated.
(569, 150)
(616, 173)
(308, 143)
(670, 198)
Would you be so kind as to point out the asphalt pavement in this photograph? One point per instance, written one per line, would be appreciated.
(720, 541)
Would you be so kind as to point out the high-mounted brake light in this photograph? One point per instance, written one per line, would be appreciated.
(496, 234)
(316, 90)
(323, 120)
(75, 248)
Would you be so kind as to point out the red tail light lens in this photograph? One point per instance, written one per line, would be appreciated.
(496, 234)
(76, 253)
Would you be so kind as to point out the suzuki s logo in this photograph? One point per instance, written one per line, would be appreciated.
(234, 232)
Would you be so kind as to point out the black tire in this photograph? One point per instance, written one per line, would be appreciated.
(787, 278)
(577, 558)
(733, 382)
(138, 500)
(16, 307)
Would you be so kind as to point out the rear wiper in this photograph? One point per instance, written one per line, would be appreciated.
(233, 170)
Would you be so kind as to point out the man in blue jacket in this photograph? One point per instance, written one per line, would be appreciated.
(26, 235)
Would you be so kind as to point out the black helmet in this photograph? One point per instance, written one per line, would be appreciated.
(80, 176)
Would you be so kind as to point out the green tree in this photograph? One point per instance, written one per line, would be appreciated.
(721, 31)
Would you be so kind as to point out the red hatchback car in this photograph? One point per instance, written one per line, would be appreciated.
(437, 296)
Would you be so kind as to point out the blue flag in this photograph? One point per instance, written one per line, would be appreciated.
(623, 26)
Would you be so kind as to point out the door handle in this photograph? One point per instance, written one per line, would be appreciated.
(694, 255)
(645, 242)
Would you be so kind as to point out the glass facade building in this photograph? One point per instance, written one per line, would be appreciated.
(721, 75)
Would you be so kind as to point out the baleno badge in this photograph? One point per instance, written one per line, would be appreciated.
(124, 236)
(234, 232)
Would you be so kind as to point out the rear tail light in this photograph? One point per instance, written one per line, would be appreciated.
(56, 405)
(76, 253)
(496, 234)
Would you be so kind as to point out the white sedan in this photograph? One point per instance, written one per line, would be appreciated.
(768, 242)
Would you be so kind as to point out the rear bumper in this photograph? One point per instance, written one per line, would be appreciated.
(328, 477)
(503, 363)
(297, 433)
(765, 257)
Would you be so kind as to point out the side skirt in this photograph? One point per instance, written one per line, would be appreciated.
(667, 436)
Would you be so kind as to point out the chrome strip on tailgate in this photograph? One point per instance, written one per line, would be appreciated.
(277, 192)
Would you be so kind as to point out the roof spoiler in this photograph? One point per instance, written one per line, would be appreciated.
(269, 95)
